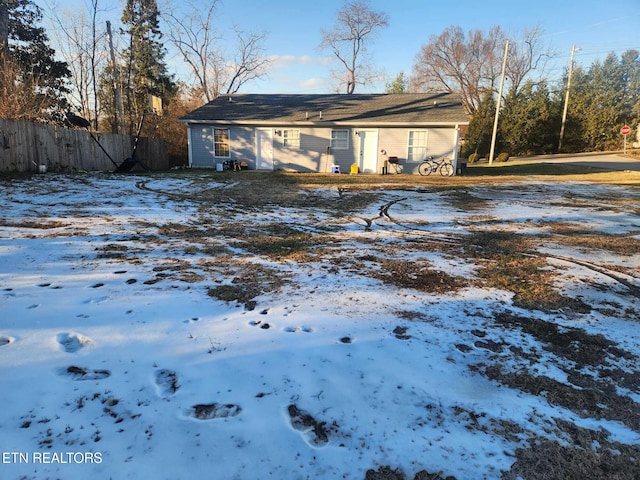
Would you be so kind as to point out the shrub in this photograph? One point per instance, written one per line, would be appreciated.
(474, 157)
(503, 157)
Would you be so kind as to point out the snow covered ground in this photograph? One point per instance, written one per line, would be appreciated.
(118, 361)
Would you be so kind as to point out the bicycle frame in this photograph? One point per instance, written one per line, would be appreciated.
(431, 165)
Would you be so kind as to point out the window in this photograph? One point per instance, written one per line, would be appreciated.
(340, 139)
(221, 142)
(291, 138)
(417, 145)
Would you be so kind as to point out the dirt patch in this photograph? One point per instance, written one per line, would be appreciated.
(388, 473)
(591, 457)
(510, 263)
(209, 411)
(591, 402)
(417, 275)
(249, 282)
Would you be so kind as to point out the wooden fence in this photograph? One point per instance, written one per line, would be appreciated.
(25, 146)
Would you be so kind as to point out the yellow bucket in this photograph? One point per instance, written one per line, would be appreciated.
(354, 169)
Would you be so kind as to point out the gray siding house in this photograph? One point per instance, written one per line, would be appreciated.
(325, 133)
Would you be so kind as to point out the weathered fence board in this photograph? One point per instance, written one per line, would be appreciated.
(24, 146)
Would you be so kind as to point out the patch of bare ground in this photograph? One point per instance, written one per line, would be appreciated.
(418, 275)
(510, 263)
(592, 364)
(586, 455)
(42, 224)
(574, 344)
(568, 235)
(249, 281)
(388, 473)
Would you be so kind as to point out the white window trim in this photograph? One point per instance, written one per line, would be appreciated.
(347, 138)
(284, 138)
(220, 143)
(426, 144)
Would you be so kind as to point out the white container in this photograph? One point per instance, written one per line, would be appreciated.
(335, 168)
(42, 168)
(219, 167)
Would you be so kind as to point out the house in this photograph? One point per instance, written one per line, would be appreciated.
(324, 133)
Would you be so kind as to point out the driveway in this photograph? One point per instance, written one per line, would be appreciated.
(605, 161)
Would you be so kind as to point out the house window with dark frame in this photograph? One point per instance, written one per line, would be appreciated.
(221, 142)
(291, 138)
(340, 139)
(417, 145)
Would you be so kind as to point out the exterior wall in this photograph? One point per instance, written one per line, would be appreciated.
(441, 142)
(202, 154)
(310, 156)
(201, 141)
(313, 154)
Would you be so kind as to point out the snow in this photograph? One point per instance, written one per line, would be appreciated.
(103, 361)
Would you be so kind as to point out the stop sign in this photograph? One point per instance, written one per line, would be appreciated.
(626, 130)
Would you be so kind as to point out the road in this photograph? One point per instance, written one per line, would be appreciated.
(606, 161)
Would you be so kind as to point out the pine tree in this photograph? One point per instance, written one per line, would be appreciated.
(602, 101)
(478, 138)
(38, 88)
(145, 71)
(527, 121)
(398, 85)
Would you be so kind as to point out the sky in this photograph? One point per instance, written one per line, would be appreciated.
(293, 33)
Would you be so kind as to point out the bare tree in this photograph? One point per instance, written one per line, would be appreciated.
(457, 62)
(356, 25)
(470, 63)
(203, 49)
(80, 46)
(526, 55)
(19, 96)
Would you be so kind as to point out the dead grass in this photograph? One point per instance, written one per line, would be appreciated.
(249, 281)
(417, 275)
(589, 458)
(511, 263)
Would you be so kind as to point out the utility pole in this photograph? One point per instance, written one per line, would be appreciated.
(495, 121)
(566, 97)
(116, 81)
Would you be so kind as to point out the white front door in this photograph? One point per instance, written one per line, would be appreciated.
(368, 160)
(264, 149)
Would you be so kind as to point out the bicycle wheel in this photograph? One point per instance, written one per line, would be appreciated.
(425, 168)
(446, 170)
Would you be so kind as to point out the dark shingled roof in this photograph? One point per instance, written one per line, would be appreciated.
(342, 109)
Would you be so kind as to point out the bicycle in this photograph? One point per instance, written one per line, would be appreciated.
(431, 165)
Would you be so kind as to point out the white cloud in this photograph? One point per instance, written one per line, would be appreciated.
(283, 61)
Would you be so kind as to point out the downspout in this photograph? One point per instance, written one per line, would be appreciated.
(190, 144)
(456, 144)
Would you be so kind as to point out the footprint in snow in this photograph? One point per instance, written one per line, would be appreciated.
(298, 329)
(167, 382)
(312, 431)
(73, 342)
(6, 341)
(209, 411)
(82, 374)
(258, 323)
(96, 301)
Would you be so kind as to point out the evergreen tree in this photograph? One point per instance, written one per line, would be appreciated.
(602, 100)
(398, 85)
(40, 80)
(478, 137)
(145, 71)
(527, 123)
